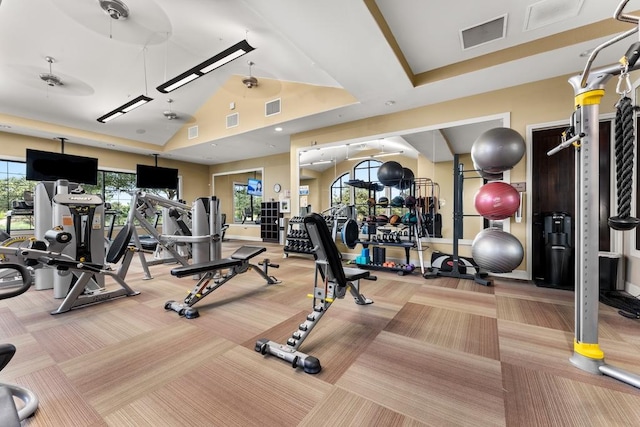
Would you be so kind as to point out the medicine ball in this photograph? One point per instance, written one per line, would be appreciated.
(497, 150)
(395, 220)
(497, 200)
(410, 201)
(371, 201)
(382, 219)
(409, 218)
(390, 173)
(397, 202)
(383, 201)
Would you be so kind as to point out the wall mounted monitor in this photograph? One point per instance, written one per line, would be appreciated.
(47, 166)
(254, 187)
(156, 177)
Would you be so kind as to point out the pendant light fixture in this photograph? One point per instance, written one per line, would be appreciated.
(236, 51)
(134, 103)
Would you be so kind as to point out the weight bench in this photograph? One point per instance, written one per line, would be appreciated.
(331, 282)
(212, 276)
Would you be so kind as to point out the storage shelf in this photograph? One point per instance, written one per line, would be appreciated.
(399, 270)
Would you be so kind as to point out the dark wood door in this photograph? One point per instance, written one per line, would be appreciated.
(553, 191)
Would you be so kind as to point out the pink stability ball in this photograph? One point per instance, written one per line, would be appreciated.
(497, 200)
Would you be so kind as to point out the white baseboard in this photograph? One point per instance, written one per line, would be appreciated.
(632, 289)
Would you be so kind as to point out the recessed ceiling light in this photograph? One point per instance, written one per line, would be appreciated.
(278, 129)
(390, 103)
(5, 126)
(213, 144)
(272, 146)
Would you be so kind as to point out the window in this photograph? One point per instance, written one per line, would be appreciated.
(14, 185)
(114, 187)
(340, 191)
(246, 208)
(366, 171)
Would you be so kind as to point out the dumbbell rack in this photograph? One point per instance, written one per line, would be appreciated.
(297, 240)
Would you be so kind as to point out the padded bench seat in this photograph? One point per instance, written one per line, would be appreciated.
(355, 273)
(242, 254)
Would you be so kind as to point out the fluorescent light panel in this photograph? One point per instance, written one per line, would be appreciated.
(217, 61)
(321, 162)
(131, 105)
(375, 156)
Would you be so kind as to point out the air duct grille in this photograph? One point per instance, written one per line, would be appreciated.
(193, 132)
(547, 12)
(484, 33)
(233, 120)
(272, 107)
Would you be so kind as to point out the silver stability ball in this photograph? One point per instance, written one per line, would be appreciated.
(497, 251)
(497, 150)
(488, 176)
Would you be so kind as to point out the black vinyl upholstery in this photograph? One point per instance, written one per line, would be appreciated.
(324, 248)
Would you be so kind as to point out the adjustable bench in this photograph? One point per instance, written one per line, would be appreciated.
(212, 277)
(331, 282)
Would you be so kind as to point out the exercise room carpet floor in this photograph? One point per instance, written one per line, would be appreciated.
(441, 352)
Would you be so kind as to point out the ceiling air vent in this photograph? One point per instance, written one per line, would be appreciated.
(193, 132)
(233, 120)
(547, 12)
(272, 107)
(489, 31)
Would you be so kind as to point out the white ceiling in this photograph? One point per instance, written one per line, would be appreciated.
(103, 63)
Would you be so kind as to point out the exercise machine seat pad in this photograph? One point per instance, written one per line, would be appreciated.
(204, 267)
(120, 244)
(243, 253)
(355, 273)
(247, 252)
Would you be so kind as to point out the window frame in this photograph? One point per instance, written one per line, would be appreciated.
(122, 210)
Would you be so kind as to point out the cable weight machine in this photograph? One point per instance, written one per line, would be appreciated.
(458, 216)
(584, 138)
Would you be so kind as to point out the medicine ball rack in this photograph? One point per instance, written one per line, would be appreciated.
(413, 241)
(458, 215)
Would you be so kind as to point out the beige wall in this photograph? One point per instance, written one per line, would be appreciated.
(547, 101)
(195, 177)
(276, 171)
(535, 103)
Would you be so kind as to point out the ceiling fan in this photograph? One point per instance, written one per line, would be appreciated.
(174, 118)
(49, 78)
(250, 82)
(170, 114)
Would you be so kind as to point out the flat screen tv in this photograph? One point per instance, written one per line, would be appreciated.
(156, 177)
(254, 187)
(47, 166)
